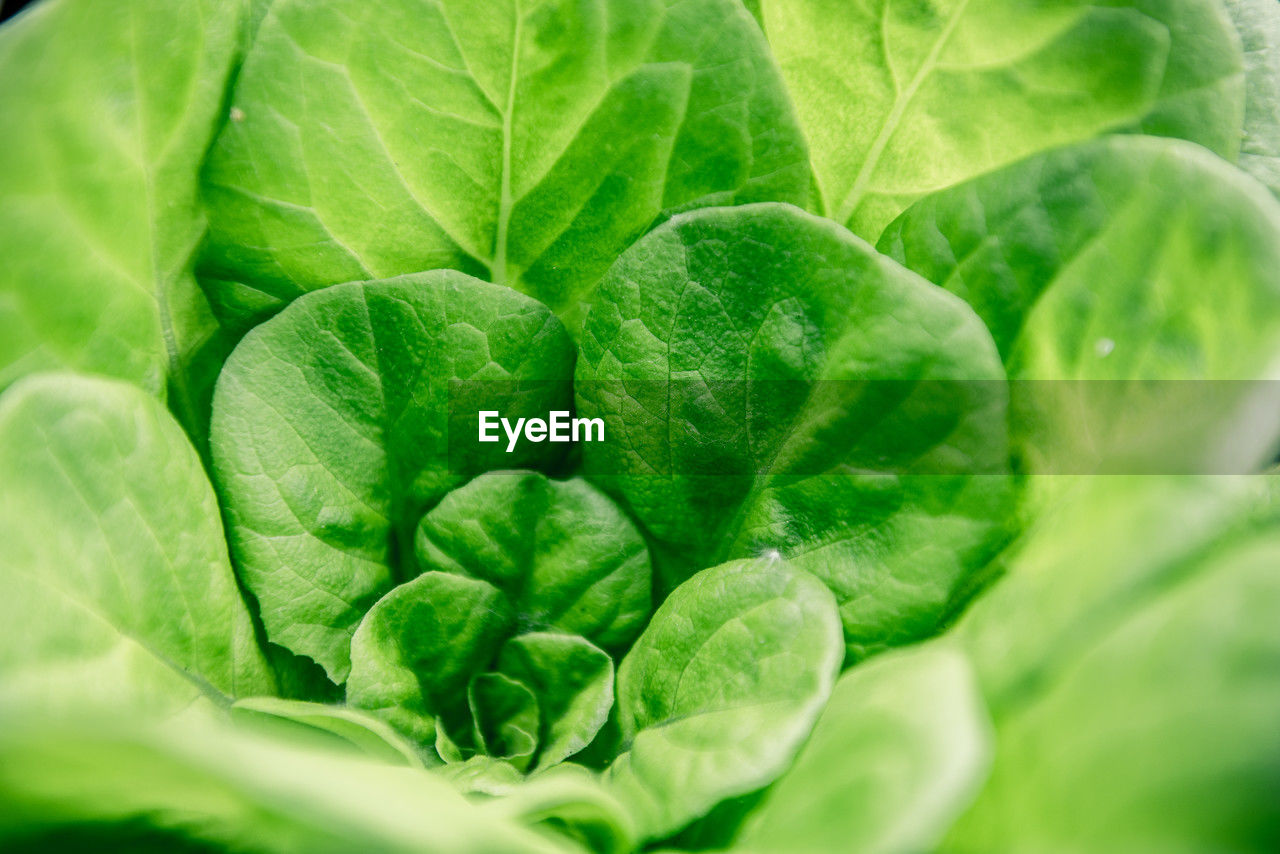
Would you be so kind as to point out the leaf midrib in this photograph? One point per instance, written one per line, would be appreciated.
(890, 125)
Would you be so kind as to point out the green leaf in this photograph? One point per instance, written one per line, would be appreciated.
(770, 384)
(900, 750)
(107, 112)
(235, 791)
(1091, 263)
(720, 691)
(562, 551)
(330, 437)
(902, 99)
(1258, 24)
(330, 724)
(1143, 535)
(386, 138)
(1149, 721)
(117, 587)
(572, 680)
(505, 718)
(416, 650)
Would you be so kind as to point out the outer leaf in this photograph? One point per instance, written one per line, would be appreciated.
(1091, 263)
(365, 733)
(330, 437)
(573, 682)
(719, 692)
(418, 647)
(900, 750)
(395, 136)
(1258, 23)
(902, 99)
(116, 582)
(770, 383)
(562, 551)
(1151, 722)
(234, 791)
(107, 110)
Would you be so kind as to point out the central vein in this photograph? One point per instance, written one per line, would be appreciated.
(499, 269)
(894, 118)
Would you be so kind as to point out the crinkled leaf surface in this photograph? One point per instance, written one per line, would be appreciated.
(117, 587)
(572, 680)
(1127, 258)
(564, 554)
(331, 724)
(106, 113)
(330, 437)
(525, 142)
(1149, 724)
(718, 694)
(901, 749)
(414, 655)
(771, 384)
(902, 99)
(1258, 24)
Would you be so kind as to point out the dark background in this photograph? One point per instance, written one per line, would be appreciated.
(8, 8)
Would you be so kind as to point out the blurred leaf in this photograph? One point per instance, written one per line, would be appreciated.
(107, 110)
(236, 790)
(902, 99)
(117, 586)
(1258, 23)
(900, 750)
(364, 733)
(1100, 267)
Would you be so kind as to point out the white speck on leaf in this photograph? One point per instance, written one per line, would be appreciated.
(237, 114)
(1103, 347)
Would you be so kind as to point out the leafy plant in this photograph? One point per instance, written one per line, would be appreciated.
(862, 298)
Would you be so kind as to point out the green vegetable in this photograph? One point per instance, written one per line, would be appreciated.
(901, 99)
(375, 140)
(746, 358)
(717, 695)
(114, 591)
(294, 555)
(338, 506)
(107, 115)
(1112, 264)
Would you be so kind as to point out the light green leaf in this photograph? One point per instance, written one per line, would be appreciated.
(900, 750)
(770, 384)
(1148, 720)
(330, 724)
(330, 437)
(505, 718)
(1128, 258)
(902, 99)
(416, 650)
(107, 110)
(203, 784)
(1258, 24)
(562, 551)
(573, 682)
(529, 144)
(720, 691)
(116, 582)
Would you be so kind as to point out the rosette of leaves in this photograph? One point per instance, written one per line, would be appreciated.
(501, 647)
